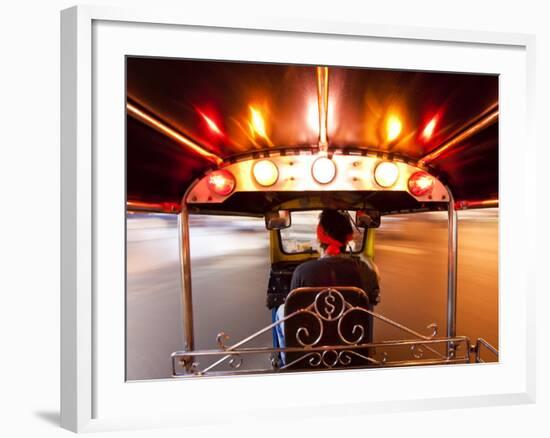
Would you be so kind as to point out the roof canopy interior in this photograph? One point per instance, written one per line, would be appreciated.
(213, 104)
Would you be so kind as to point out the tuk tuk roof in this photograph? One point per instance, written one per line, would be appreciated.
(210, 103)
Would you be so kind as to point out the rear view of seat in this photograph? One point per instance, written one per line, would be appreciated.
(327, 317)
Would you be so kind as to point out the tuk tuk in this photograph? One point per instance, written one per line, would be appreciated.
(371, 143)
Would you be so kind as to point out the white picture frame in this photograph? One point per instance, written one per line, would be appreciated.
(90, 401)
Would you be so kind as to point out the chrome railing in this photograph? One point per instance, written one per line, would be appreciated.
(329, 307)
(477, 349)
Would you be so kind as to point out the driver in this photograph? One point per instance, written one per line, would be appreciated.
(335, 266)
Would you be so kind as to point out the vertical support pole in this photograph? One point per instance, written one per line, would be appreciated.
(186, 294)
(452, 272)
(322, 102)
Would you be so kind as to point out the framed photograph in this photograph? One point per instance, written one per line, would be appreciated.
(294, 216)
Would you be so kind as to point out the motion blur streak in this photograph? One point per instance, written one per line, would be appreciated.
(230, 263)
(429, 129)
(322, 96)
(158, 125)
(393, 127)
(257, 124)
(211, 124)
(483, 123)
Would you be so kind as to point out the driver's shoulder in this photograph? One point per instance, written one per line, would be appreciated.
(308, 265)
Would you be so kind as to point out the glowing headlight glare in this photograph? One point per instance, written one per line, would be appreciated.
(421, 183)
(265, 173)
(393, 127)
(386, 174)
(323, 170)
(257, 122)
(221, 182)
(429, 129)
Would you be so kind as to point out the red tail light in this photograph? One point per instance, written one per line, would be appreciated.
(221, 182)
(421, 183)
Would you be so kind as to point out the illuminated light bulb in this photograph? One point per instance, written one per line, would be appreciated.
(386, 174)
(393, 128)
(265, 173)
(429, 129)
(257, 122)
(221, 182)
(323, 170)
(421, 183)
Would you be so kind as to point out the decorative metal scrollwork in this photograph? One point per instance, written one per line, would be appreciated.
(417, 351)
(220, 338)
(315, 359)
(275, 360)
(330, 358)
(329, 312)
(344, 358)
(188, 364)
(329, 304)
(303, 333)
(358, 330)
(434, 328)
(236, 361)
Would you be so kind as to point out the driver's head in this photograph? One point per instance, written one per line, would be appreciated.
(334, 231)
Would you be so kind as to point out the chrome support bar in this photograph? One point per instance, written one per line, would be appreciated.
(486, 203)
(452, 272)
(328, 310)
(322, 102)
(236, 356)
(259, 371)
(380, 344)
(185, 266)
(477, 349)
(152, 207)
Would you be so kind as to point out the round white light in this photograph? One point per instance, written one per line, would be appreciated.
(265, 173)
(386, 174)
(323, 170)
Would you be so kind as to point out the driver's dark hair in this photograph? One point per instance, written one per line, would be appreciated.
(337, 224)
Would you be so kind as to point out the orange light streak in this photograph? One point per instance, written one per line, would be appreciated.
(180, 138)
(487, 203)
(483, 123)
(155, 207)
(322, 101)
(257, 124)
(393, 127)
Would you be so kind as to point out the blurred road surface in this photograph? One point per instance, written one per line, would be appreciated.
(230, 267)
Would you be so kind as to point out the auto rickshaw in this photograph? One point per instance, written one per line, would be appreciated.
(406, 160)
